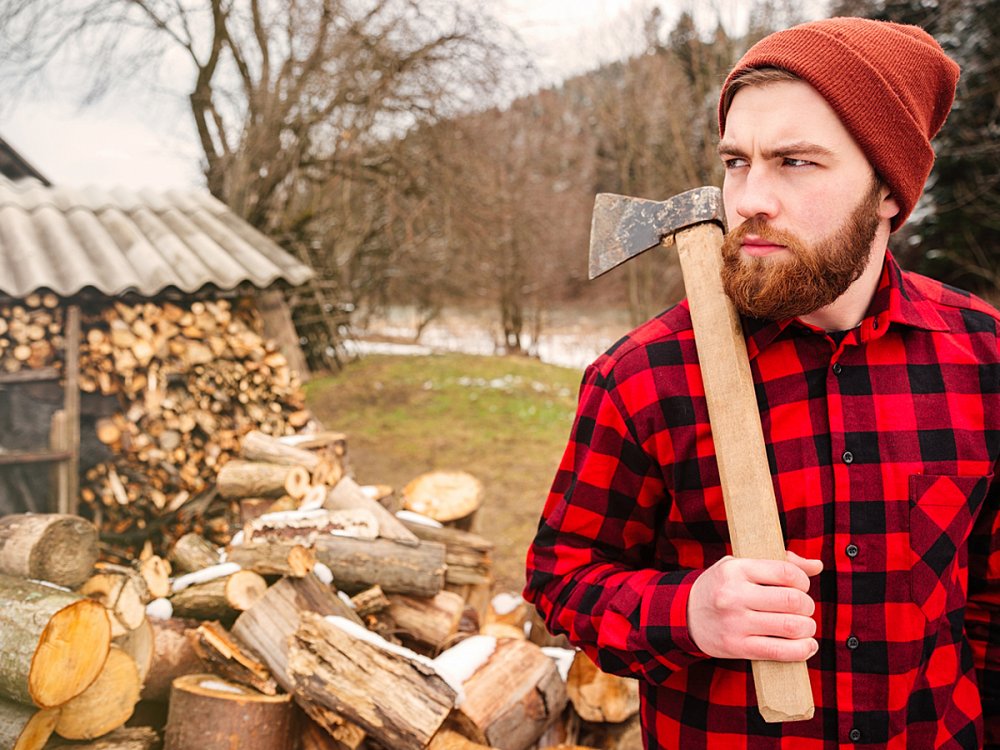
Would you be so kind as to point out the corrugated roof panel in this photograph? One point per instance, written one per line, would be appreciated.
(122, 240)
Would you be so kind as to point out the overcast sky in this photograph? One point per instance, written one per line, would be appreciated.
(149, 141)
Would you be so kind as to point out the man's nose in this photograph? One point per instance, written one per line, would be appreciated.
(757, 195)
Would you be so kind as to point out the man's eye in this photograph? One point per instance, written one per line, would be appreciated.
(735, 163)
(797, 162)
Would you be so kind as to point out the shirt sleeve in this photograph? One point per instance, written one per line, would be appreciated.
(590, 569)
(982, 616)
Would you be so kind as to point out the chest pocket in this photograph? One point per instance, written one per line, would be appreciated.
(942, 509)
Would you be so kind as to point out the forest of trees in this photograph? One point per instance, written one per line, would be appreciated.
(382, 141)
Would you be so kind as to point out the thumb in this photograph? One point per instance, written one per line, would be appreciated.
(808, 566)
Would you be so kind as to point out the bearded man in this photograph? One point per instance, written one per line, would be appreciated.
(879, 396)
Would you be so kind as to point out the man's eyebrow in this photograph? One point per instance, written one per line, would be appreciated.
(784, 150)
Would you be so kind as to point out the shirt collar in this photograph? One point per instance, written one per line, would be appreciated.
(896, 301)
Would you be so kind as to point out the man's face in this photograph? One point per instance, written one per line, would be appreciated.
(801, 200)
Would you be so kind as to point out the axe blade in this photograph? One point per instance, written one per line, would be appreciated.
(624, 227)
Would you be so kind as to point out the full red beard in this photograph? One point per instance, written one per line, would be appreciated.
(808, 277)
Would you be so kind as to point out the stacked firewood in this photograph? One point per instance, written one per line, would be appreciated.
(191, 380)
(31, 333)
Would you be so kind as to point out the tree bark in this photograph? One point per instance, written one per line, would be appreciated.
(468, 555)
(426, 622)
(173, 656)
(209, 713)
(191, 553)
(25, 727)
(258, 479)
(131, 738)
(273, 558)
(48, 546)
(399, 702)
(53, 642)
(221, 598)
(397, 568)
(258, 446)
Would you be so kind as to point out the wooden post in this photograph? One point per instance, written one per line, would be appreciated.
(72, 407)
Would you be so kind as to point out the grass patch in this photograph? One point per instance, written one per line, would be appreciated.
(502, 419)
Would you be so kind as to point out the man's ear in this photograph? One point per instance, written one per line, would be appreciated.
(887, 207)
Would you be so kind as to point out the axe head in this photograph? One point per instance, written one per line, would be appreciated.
(624, 227)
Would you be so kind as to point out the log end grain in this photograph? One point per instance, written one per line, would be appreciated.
(71, 653)
(106, 705)
(38, 730)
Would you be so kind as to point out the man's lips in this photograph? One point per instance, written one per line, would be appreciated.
(758, 246)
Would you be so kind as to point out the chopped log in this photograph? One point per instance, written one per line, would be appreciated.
(468, 555)
(258, 446)
(51, 547)
(401, 703)
(347, 494)
(304, 527)
(220, 598)
(269, 625)
(139, 644)
(513, 696)
(624, 736)
(502, 630)
(155, 571)
(25, 727)
(397, 568)
(228, 658)
(258, 479)
(173, 656)
(313, 737)
(335, 441)
(126, 738)
(53, 642)
(209, 713)
(123, 591)
(193, 552)
(273, 558)
(370, 601)
(104, 706)
(600, 697)
(450, 497)
(426, 622)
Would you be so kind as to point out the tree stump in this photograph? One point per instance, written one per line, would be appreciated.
(209, 713)
(449, 497)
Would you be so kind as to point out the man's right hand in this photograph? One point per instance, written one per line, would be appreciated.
(755, 609)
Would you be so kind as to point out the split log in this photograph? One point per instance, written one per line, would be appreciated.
(229, 659)
(53, 642)
(347, 494)
(370, 601)
(305, 527)
(514, 696)
(258, 446)
(273, 558)
(401, 703)
(468, 555)
(209, 713)
(25, 727)
(312, 736)
(221, 598)
(155, 571)
(397, 568)
(426, 622)
(240, 478)
(139, 644)
(600, 697)
(173, 656)
(270, 624)
(193, 552)
(126, 738)
(104, 706)
(51, 547)
(449, 497)
(449, 739)
(123, 592)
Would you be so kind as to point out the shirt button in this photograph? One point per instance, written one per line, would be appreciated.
(875, 324)
(852, 550)
(855, 735)
(837, 369)
(853, 643)
(848, 457)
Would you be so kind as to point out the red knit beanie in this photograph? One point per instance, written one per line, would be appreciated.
(891, 85)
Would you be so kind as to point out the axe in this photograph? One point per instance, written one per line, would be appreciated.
(623, 228)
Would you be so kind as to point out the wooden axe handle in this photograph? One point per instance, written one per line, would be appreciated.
(783, 690)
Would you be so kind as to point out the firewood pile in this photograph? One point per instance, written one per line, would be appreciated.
(333, 623)
(235, 587)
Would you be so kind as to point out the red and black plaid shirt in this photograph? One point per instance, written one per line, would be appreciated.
(882, 450)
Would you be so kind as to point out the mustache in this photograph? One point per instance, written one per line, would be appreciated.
(758, 227)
